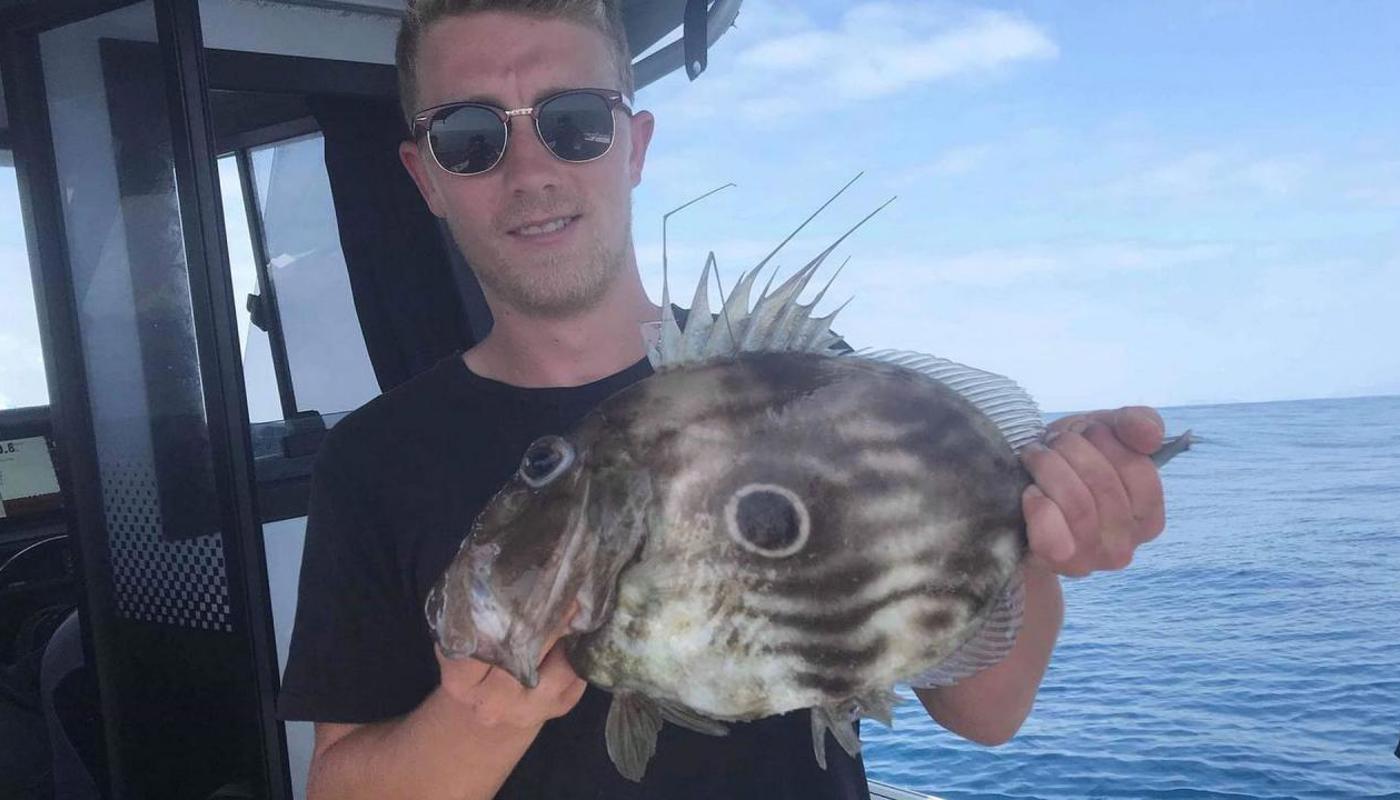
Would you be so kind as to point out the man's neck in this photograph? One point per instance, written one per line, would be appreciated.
(532, 351)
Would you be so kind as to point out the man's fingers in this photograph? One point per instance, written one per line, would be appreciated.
(1113, 525)
(1062, 484)
(1049, 534)
(1139, 428)
(1065, 423)
(465, 672)
(1139, 478)
(556, 667)
(558, 678)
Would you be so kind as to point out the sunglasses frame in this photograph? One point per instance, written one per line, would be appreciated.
(423, 120)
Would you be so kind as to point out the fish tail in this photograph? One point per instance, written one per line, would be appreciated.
(1174, 446)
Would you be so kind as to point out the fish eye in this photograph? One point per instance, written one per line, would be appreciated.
(767, 519)
(545, 459)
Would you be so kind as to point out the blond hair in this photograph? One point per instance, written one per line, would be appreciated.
(604, 16)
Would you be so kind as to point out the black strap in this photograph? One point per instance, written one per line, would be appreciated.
(696, 38)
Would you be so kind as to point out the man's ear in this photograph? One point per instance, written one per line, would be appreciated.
(417, 167)
(643, 126)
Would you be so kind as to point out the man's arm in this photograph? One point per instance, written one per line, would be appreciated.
(989, 707)
(461, 743)
(1096, 498)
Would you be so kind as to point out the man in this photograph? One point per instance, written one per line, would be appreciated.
(398, 482)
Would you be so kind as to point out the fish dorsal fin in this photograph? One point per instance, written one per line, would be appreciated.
(777, 322)
(1004, 402)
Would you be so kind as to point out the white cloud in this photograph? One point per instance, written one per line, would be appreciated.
(1203, 173)
(878, 49)
(1379, 185)
(1277, 176)
(959, 160)
(781, 63)
(1001, 267)
(1387, 195)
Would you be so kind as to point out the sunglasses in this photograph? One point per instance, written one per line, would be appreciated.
(470, 138)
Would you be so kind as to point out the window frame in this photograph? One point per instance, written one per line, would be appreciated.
(271, 314)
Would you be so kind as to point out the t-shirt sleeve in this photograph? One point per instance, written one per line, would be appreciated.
(359, 650)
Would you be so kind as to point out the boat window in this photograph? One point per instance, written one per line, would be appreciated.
(22, 381)
(303, 295)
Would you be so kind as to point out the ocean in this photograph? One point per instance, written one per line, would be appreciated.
(1250, 652)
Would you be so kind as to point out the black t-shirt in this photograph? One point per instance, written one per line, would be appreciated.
(396, 486)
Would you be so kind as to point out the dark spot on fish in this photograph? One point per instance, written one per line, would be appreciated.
(731, 413)
(972, 561)
(831, 685)
(937, 621)
(843, 621)
(834, 583)
(636, 626)
(974, 601)
(788, 378)
(827, 656)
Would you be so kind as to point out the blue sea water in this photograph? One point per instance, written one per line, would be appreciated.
(1253, 651)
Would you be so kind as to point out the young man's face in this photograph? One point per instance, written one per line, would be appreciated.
(514, 61)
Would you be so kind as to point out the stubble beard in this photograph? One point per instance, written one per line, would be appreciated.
(557, 286)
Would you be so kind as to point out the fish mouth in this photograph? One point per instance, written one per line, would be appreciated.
(531, 557)
(478, 612)
(495, 606)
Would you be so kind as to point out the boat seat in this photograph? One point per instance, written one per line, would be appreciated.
(71, 711)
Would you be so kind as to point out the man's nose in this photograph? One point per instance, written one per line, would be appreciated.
(528, 166)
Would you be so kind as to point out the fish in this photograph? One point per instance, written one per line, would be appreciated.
(769, 522)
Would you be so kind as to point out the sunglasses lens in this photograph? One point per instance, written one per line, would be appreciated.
(467, 139)
(577, 126)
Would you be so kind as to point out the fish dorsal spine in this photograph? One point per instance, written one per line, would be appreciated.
(778, 323)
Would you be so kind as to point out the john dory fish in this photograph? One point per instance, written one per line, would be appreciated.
(765, 524)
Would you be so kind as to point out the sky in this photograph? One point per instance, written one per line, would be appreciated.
(1112, 202)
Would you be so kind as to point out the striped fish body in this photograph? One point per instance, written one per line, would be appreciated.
(821, 528)
(752, 535)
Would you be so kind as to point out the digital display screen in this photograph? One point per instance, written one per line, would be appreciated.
(28, 484)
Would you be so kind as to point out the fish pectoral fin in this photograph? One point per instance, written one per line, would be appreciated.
(834, 719)
(878, 705)
(989, 645)
(691, 720)
(633, 724)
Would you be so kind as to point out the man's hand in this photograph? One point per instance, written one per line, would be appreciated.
(1097, 495)
(462, 742)
(494, 699)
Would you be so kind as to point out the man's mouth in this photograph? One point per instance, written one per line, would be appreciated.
(544, 227)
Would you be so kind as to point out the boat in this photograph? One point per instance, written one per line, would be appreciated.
(191, 172)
